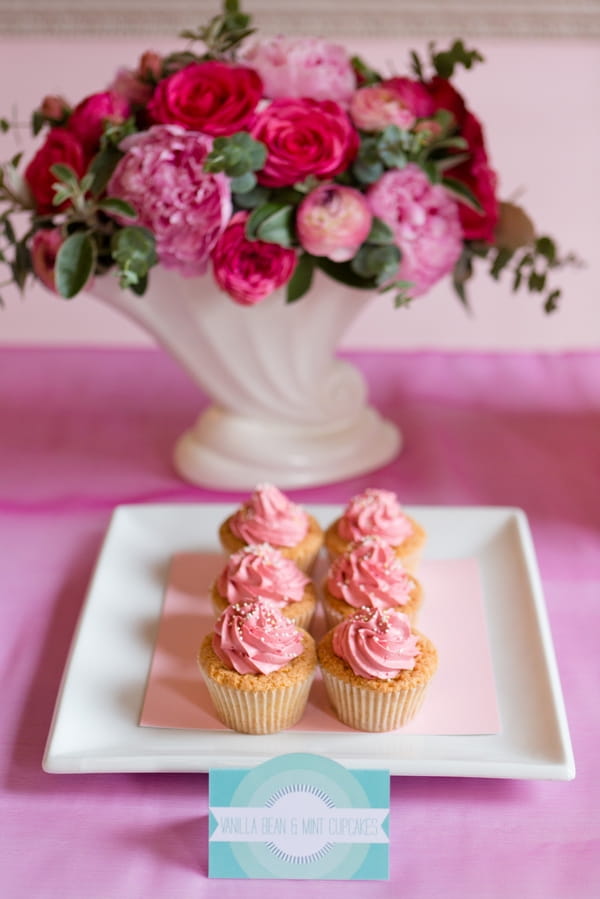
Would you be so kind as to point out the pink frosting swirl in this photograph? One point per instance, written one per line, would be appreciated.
(270, 517)
(255, 638)
(259, 571)
(377, 645)
(375, 512)
(369, 574)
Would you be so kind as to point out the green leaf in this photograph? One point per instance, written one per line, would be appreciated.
(65, 174)
(252, 198)
(462, 193)
(9, 231)
(445, 62)
(236, 155)
(21, 265)
(366, 75)
(301, 280)
(379, 263)
(536, 282)
(102, 167)
(416, 65)
(367, 173)
(380, 233)
(546, 247)
(4, 125)
(134, 249)
(74, 264)
(271, 223)
(343, 272)
(37, 122)
(503, 257)
(244, 184)
(116, 206)
(551, 303)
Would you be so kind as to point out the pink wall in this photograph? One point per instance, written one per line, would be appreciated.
(539, 102)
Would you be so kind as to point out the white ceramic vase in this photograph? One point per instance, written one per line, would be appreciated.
(284, 409)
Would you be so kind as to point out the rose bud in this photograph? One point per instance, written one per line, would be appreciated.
(374, 108)
(333, 221)
(54, 109)
(44, 250)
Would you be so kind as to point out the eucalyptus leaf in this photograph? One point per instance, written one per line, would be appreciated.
(74, 264)
(134, 249)
(244, 184)
(380, 233)
(116, 206)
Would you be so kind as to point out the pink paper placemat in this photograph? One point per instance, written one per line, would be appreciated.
(461, 698)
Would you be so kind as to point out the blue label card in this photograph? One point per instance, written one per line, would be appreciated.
(299, 816)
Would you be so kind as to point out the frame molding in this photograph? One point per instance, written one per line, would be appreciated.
(338, 18)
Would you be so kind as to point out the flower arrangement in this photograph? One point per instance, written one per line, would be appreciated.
(261, 160)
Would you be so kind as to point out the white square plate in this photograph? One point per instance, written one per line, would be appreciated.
(95, 725)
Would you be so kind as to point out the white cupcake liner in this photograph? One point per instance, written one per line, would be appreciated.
(261, 711)
(370, 710)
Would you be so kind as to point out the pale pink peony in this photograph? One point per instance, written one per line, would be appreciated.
(425, 222)
(333, 221)
(45, 245)
(303, 67)
(249, 270)
(162, 177)
(89, 117)
(374, 108)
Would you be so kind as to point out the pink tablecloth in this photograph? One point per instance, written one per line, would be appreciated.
(82, 431)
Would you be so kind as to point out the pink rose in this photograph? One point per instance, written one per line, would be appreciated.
(304, 137)
(425, 222)
(213, 97)
(303, 67)
(59, 146)
(333, 221)
(186, 208)
(249, 270)
(373, 108)
(45, 245)
(476, 172)
(88, 118)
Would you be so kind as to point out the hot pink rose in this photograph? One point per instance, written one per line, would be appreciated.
(412, 94)
(303, 67)
(88, 118)
(213, 97)
(304, 137)
(333, 221)
(476, 172)
(249, 270)
(162, 177)
(44, 249)
(59, 146)
(425, 222)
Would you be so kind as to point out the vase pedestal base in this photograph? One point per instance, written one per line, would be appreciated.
(225, 451)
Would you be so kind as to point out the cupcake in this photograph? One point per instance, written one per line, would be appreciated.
(377, 513)
(270, 517)
(376, 670)
(369, 575)
(258, 668)
(259, 571)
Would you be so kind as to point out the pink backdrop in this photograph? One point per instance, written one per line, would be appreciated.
(535, 98)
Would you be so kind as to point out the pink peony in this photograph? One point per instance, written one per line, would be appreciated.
(373, 108)
(249, 270)
(186, 208)
(303, 67)
(59, 146)
(88, 118)
(44, 250)
(304, 137)
(214, 97)
(425, 222)
(333, 221)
